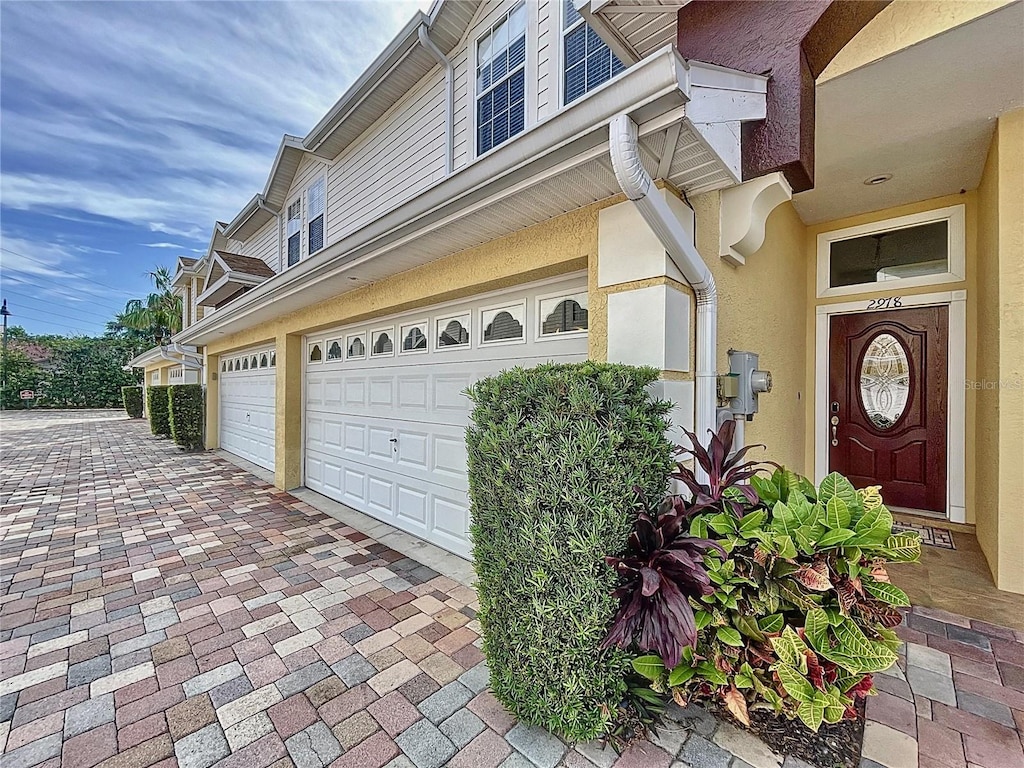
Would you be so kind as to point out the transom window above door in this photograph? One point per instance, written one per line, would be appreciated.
(501, 80)
(919, 249)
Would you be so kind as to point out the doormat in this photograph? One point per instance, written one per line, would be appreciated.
(933, 537)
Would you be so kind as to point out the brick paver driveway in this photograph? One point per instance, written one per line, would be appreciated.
(162, 609)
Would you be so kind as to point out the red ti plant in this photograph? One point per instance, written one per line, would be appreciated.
(663, 567)
(726, 489)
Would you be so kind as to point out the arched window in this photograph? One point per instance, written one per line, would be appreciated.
(253, 363)
(263, 360)
(315, 355)
(566, 317)
(273, 359)
(382, 344)
(245, 364)
(453, 333)
(503, 327)
(415, 339)
(334, 351)
(356, 347)
(223, 366)
(231, 365)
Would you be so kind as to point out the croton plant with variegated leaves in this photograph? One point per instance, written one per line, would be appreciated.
(802, 609)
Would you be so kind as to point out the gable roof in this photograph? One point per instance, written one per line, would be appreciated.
(247, 265)
(400, 66)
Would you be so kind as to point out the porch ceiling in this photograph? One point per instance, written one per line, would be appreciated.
(924, 114)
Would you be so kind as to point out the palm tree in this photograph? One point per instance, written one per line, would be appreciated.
(159, 314)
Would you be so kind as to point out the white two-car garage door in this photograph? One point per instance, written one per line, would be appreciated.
(385, 410)
(247, 404)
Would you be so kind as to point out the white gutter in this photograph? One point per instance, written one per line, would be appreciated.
(638, 186)
(449, 88)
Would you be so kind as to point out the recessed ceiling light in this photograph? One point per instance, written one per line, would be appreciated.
(879, 179)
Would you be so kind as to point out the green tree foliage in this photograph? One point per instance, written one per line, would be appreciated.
(186, 415)
(67, 372)
(88, 373)
(555, 453)
(158, 315)
(19, 372)
(159, 411)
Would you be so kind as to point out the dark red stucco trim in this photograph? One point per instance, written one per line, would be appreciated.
(790, 40)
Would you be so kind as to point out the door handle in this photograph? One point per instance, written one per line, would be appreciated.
(835, 427)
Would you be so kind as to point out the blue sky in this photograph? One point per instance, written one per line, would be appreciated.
(128, 128)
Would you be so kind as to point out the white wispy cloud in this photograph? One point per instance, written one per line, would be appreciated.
(50, 269)
(168, 115)
(162, 245)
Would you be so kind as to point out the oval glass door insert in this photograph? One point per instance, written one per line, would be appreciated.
(884, 381)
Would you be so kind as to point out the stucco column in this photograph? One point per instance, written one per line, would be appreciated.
(288, 417)
(649, 306)
(211, 365)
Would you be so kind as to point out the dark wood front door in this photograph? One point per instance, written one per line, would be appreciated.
(887, 403)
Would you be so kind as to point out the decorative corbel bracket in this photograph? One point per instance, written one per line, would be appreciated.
(743, 213)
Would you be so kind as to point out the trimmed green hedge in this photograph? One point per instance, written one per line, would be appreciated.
(132, 399)
(186, 415)
(159, 414)
(555, 455)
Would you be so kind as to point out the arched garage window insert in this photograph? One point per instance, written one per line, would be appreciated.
(503, 323)
(563, 314)
(414, 337)
(334, 351)
(263, 360)
(453, 331)
(315, 353)
(356, 347)
(382, 344)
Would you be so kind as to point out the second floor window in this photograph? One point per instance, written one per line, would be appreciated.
(587, 61)
(315, 214)
(501, 80)
(294, 233)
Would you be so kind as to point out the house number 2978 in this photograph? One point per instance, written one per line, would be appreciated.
(892, 302)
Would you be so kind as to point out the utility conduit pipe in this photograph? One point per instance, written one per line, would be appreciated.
(639, 187)
(449, 87)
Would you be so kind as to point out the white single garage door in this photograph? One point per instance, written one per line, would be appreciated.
(248, 395)
(385, 411)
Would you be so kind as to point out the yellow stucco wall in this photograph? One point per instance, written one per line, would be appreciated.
(164, 366)
(999, 402)
(762, 308)
(902, 24)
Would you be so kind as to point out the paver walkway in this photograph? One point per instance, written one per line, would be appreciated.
(161, 609)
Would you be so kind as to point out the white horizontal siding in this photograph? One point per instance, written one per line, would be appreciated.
(264, 244)
(395, 160)
(547, 37)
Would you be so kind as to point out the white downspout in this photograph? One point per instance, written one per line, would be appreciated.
(449, 88)
(638, 186)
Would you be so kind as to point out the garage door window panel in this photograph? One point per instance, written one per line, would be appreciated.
(334, 349)
(414, 338)
(382, 342)
(504, 324)
(356, 347)
(453, 331)
(316, 354)
(559, 315)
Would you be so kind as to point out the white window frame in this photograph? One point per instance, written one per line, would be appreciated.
(955, 250)
(538, 320)
(308, 217)
(390, 331)
(362, 336)
(295, 201)
(466, 316)
(563, 30)
(424, 326)
(529, 91)
(482, 325)
(327, 344)
(309, 352)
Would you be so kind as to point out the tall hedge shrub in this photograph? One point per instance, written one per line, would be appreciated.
(186, 415)
(159, 412)
(555, 455)
(132, 399)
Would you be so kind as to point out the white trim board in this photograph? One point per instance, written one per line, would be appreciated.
(956, 375)
(955, 251)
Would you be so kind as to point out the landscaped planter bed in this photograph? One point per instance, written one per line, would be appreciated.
(756, 593)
